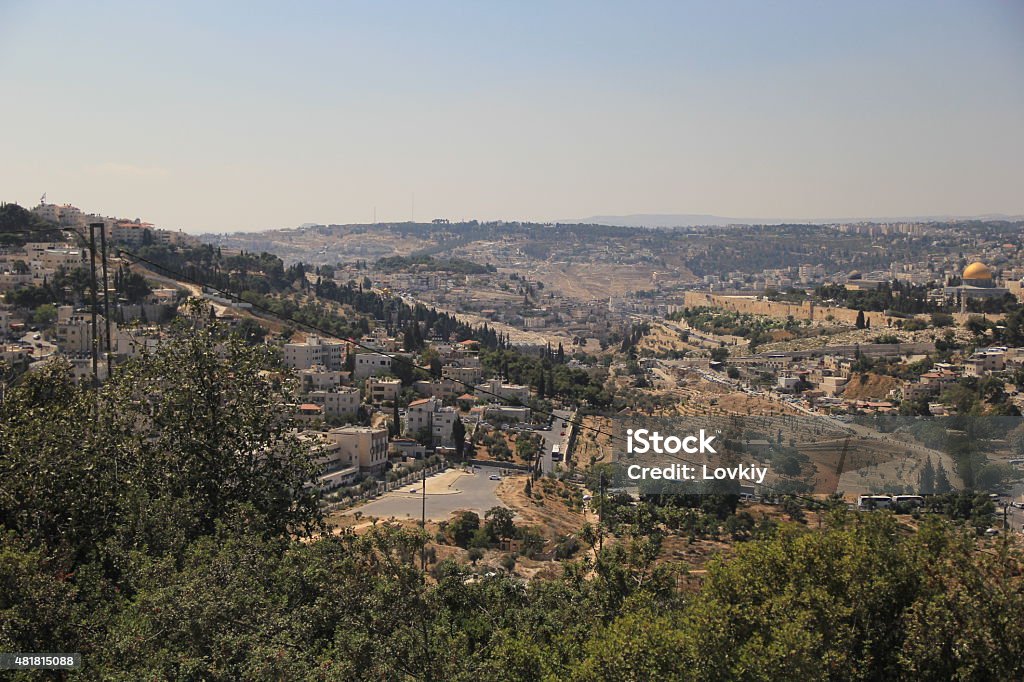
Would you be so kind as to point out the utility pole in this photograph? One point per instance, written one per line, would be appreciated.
(92, 296)
(600, 513)
(423, 517)
(106, 298)
(3, 383)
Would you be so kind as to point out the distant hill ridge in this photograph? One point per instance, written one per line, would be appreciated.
(702, 219)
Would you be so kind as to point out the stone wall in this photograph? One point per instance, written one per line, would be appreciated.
(798, 311)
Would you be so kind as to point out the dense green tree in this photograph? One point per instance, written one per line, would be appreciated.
(19, 225)
(926, 480)
(942, 484)
(459, 438)
(45, 314)
(163, 526)
(190, 435)
(500, 524)
(463, 526)
(250, 331)
(134, 287)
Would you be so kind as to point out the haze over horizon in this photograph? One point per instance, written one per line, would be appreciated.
(217, 118)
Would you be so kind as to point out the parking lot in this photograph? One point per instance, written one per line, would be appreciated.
(447, 492)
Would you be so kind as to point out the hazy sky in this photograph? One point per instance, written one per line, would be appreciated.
(216, 117)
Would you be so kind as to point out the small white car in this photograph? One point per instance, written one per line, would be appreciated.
(494, 477)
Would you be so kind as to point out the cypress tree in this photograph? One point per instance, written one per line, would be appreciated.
(926, 481)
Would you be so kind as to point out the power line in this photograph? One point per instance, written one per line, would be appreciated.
(395, 357)
(400, 358)
(42, 230)
(33, 230)
(182, 276)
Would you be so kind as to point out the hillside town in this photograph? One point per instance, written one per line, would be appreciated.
(386, 395)
(512, 342)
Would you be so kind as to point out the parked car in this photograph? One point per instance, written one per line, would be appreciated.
(494, 477)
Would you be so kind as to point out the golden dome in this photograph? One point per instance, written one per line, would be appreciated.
(977, 270)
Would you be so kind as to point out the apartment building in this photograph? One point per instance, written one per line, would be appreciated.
(315, 351)
(984, 361)
(337, 465)
(496, 387)
(832, 385)
(36, 262)
(319, 378)
(336, 402)
(436, 389)
(81, 368)
(429, 413)
(366, 445)
(379, 390)
(380, 342)
(371, 364)
(914, 391)
(64, 215)
(462, 375)
(16, 355)
(73, 331)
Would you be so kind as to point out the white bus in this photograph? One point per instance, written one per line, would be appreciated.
(908, 500)
(866, 502)
(556, 453)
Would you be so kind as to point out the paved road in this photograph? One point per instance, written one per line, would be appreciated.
(705, 339)
(1015, 516)
(41, 348)
(446, 493)
(552, 437)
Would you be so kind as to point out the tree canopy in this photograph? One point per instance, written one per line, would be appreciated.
(162, 525)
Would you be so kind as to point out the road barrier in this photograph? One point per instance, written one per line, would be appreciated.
(499, 465)
(385, 487)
